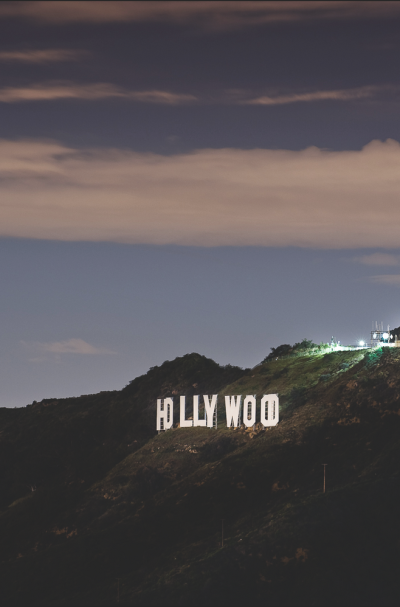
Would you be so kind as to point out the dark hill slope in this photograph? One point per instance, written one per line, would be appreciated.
(62, 442)
(153, 520)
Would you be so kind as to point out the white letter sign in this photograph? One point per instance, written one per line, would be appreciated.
(196, 420)
(165, 413)
(272, 417)
(249, 401)
(210, 408)
(232, 408)
(184, 423)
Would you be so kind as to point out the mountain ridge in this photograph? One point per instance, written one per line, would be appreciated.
(147, 508)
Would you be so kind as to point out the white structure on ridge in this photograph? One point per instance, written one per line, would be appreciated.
(379, 337)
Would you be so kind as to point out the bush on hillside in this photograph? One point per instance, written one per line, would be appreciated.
(305, 344)
(298, 396)
(373, 357)
(298, 349)
(283, 350)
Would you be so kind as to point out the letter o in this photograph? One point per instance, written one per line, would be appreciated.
(249, 401)
(272, 417)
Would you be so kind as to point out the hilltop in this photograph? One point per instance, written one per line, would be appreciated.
(91, 493)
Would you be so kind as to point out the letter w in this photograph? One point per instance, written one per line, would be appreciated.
(232, 408)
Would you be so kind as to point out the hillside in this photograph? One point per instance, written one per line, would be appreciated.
(116, 505)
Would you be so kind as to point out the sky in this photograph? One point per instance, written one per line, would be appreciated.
(176, 177)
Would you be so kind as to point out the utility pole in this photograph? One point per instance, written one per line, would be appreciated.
(324, 465)
(222, 530)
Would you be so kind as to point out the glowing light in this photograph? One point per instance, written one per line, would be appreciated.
(374, 336)
(385, 335)
(361, 343)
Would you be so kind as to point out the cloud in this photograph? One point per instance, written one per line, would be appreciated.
(336, 95)
(41, 56)
(386, 279)
(53, 91)
(210, 197)
(378, 259)
(61, 90)
(160, 97)
(215, 15)
(69, 346)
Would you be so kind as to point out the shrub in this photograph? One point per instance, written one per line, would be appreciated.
(324, 376)
(283, 350)
(373, 357)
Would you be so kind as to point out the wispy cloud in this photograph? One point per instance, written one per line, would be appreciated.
(61, 90)
(41, 56)
(378, 259)
(215, 15)
(69, 346)
(52, 91)
(160, 97)
(334, 95)
(386, 279)
(212, 197)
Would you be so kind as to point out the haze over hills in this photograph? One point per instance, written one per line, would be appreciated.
(91, 494)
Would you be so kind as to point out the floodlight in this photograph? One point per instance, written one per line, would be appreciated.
(385, 335)
(374, 336)
(361, 343)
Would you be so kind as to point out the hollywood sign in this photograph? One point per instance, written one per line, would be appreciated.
(233, 406)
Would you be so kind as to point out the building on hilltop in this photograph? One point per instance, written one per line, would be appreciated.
(380, 338)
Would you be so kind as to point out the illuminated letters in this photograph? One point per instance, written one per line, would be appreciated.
(184, 423)
(210, 408)
(196, 420)
(232, 408)
(165, 413)
(249, 401)
(273, 410)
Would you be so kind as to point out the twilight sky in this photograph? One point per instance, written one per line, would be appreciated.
(219, 177)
